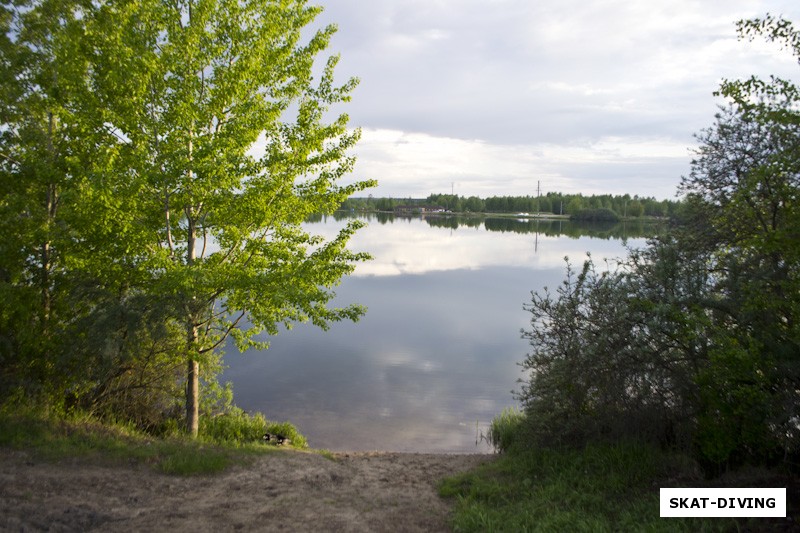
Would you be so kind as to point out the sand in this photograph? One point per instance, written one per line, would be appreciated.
(283, 491)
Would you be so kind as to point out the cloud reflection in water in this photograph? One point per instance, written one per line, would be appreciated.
(436, 352)
(417, 246)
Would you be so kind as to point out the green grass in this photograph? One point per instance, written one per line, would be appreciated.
(81, 437)
(327, 454)
(506, 428)
(237, 427)
(598, 488)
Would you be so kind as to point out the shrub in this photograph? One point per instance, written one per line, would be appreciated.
(612, 350)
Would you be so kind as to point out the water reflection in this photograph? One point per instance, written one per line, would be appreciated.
(435, 357)
(408, 245)
(638, 228)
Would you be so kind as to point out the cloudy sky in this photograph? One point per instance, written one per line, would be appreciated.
(488, 97)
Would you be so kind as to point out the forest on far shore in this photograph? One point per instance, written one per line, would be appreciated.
(624, 206)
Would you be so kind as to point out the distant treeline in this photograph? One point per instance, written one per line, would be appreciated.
(553, 202)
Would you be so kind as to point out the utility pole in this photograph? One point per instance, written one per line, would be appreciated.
(538, 193)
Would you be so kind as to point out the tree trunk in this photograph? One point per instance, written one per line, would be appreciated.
(50, 211)
(192, 387)
(193, 368)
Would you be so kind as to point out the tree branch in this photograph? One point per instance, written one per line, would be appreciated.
(224, 336)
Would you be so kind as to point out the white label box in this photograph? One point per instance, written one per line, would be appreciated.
(722, 502)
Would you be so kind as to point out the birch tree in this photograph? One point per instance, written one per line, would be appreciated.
(225, 145)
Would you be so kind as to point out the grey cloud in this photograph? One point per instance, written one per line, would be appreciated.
(519, 72)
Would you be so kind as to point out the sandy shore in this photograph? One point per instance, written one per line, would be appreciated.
(284, 491)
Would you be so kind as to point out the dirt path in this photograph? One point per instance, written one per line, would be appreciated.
(285, 491)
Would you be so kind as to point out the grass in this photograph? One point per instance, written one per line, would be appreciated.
(602, 487)
(81, 437)
(506, 428)
(236, 427)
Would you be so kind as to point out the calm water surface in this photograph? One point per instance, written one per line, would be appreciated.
(436, 356)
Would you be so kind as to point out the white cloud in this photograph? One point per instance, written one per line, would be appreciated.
(418, 164)
(476, 89)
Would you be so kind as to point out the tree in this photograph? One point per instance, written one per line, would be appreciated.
(385, 204)
(225, 236)
(744, 187)
(746, 184)
(210, 146)
(574, 205)
(40, 170)
(635, 209)
(696, 336)
(474, 205)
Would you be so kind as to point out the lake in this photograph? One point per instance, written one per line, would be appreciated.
(436, 356)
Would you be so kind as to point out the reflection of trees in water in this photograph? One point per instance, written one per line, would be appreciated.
(551, 228)
(455, 222)
(568, 228)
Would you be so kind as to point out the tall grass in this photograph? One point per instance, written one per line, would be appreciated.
(603, 486)
(227, 441)
(237, 427)
(505, 429)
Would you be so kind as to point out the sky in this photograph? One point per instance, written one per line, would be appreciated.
(499, 97)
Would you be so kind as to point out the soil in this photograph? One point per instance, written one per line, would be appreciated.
(282, 491)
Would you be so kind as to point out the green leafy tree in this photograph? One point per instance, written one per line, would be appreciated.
(614, 349)
(746, 187)
(635, 208)
(695, 337)
(189, 89)
(175, 150)
(385, 204)
(574, 205)
(473, 204)
(41, 166)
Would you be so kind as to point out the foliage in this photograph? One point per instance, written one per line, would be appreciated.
(611, 352)
(596, 215)
(288, 431)
(54, 437)
(693, 340)
(235, 426)
(158, 160)
(623, 206)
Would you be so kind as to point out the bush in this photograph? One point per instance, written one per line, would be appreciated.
(612, 351)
